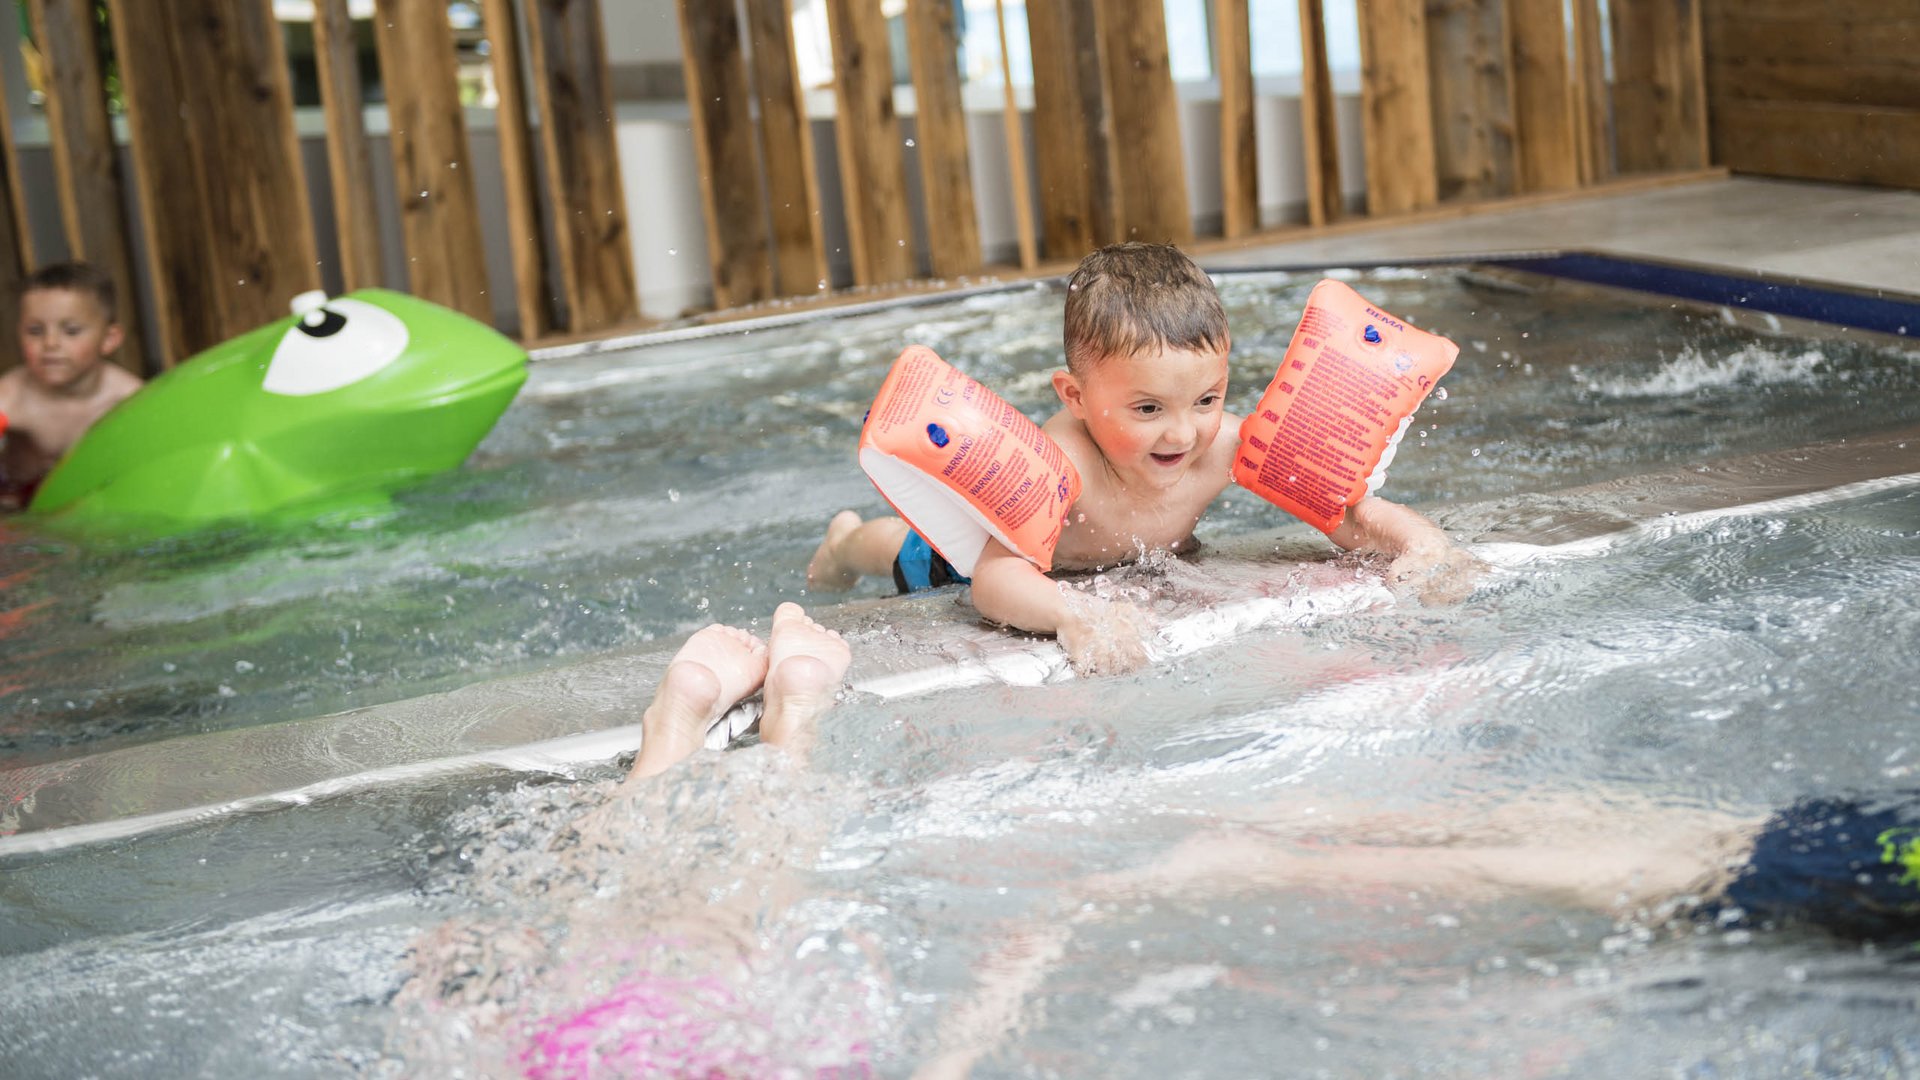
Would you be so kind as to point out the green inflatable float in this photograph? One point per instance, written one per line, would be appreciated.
(347, 395)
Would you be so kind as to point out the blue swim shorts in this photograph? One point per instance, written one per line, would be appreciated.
(918, 567)
(1853, 869)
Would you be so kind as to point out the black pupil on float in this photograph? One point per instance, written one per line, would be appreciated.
(331, 323)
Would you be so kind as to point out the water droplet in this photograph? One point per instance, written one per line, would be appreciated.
(423, 194)
(702, 605)
(909, 142)
(673, 494)
(1439, 393)
(673, 251)
(1476, 451)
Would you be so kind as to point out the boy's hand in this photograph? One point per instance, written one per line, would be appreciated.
(1103, 637)
(1435, 574)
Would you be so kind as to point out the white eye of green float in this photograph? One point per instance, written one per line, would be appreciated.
(334, 344)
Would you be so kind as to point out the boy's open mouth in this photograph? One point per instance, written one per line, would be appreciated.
(1169, 459)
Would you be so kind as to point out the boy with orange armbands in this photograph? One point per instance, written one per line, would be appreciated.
(69, 330)
(1143, 399)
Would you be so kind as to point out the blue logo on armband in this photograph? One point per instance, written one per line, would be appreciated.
(938, 434)
(1372, 335)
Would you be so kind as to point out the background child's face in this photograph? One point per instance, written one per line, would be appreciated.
(1153, 415)
(64, 335)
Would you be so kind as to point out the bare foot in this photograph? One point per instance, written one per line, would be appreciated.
(827, 571)
(806, 663)
(717, 666)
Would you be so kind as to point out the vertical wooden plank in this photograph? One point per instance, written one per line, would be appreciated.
(575, 98)
(86, 161)
(519, 175)
(953, 228)
(1073, 144)
(1473, 120)
(786, 150)
(1019, 183)
(1593, 143)
(1658, 101)
(1398, 106)
(356, 226)
(229, 233)
(873, 179)
(1545, 117)
(1152, 171)
(1239, 161)
(1326, 202)
(432, 170)
(723, 138)
(16, 244)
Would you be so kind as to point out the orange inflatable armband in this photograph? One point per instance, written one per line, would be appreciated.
(961, 465)
(1324, 432)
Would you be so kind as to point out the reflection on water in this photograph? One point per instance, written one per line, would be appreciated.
(939, 846)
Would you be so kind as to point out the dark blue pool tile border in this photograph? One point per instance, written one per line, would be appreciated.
(1883, 312)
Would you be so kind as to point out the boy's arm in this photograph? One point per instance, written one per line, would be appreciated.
(1099, 636)
(1424, 559)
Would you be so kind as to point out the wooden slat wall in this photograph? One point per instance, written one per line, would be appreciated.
(432, 170)
(229, 234)
(1152, 169)
(519, 173)
(1239, 147)
(575, 101)
(873, 182)
(1546, 114)
(1398, 104)
(16, 242)
(86, 161)
(1072, 136)
(786, 147)
(349, 162)
(1819, 92)
(953, 231)
(1659, 103)
(1592, 139)
(723, 143)
(1473, 118)
(1320, 136)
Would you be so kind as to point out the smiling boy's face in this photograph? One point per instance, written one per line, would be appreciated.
(64, 337)
(1153, 415)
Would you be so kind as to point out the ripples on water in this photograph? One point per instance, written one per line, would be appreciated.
(1721, 668)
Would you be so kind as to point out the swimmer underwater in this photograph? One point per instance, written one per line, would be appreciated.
(1142, 409)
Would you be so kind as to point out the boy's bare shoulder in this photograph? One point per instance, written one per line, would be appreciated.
(118, 384)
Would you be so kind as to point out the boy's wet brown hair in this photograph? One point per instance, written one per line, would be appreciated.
(1125, 299)
(77, 277)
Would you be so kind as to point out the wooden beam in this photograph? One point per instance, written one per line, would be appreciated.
(940, 130)
(16, 245)
(1020, 183)
(519, 172)
(1473, 118)
(1398, 105)
(1849, 144)
(1546, 119)
(786, 150)
(723, 143)
(86, 159)
(1072, 129)
(228, 228)
(873, 182)
(1152, 171)
(1239, 137)
(356, 225)
(1659, 105)
(1593, 139)
(1326, 202)
(575, 100)
(432, 168)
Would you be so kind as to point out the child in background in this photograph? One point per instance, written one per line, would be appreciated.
(69, 331)
(1143, 399)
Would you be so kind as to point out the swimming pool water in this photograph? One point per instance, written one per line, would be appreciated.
(1729, 664)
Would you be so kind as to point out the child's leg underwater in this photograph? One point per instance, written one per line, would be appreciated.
(854, 549)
